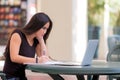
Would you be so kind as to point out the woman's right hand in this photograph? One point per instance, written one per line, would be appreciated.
(43, 59)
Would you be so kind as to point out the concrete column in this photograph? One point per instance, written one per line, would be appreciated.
(68, 38)
(79, 29)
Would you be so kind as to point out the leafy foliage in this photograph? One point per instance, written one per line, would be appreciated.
(95, 11)
(114, 12)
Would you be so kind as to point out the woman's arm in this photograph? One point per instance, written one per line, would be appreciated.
(41, 48)
(42, 52)
(15, 43)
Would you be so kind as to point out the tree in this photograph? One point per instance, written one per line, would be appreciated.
(95, 11)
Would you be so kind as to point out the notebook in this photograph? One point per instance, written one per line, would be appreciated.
(87, 59)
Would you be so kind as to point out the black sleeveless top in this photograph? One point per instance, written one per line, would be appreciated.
(12, 69)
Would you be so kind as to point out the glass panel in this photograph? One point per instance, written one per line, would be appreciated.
(95, 19)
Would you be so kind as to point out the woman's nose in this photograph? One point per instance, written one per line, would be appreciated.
(44, 31)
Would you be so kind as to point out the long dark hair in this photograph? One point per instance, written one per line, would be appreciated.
(36, 22)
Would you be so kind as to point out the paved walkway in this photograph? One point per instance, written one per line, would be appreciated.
(40, 76)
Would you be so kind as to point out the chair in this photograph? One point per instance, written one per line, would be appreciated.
(2, 75)
(113, 52)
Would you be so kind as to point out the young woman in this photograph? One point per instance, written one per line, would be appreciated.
(24, 43)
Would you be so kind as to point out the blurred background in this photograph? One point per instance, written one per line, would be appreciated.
(74, 23)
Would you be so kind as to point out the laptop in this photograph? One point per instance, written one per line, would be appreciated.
(87, 59)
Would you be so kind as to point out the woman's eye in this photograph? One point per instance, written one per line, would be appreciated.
(44, 28)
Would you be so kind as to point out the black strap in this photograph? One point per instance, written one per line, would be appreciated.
(95, 77)
(80, 77)
(56, 77)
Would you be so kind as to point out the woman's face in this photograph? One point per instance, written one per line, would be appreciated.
(40, 33)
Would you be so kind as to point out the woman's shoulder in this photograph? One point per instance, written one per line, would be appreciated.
(18, 31)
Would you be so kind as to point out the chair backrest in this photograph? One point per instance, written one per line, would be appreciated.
(114, 48)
